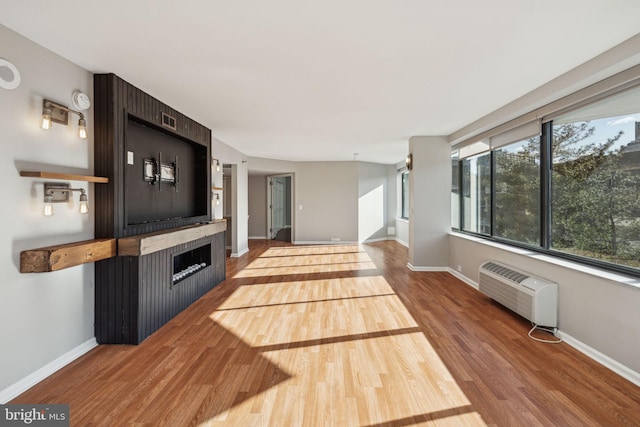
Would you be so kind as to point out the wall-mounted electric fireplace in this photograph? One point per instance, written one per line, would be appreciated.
(188, 263)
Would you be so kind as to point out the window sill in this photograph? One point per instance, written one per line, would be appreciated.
(586, 269)
(403, 220)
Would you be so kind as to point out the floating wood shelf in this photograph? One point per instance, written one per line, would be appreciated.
(217, 188)
(67, 176)
(144, 244)
(53, 258)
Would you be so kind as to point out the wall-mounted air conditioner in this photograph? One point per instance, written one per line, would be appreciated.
(531, 297)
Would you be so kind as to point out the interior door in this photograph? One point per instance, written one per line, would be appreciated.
(277, 205)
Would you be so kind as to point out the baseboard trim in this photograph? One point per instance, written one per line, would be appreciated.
(414, 268)
(603, 359)
(34, 378)
(257, 237)
(239, 254)
(377, 239)
(323, 242)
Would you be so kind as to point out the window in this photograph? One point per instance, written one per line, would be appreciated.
(404, 209)
(596, 180)
(476, 194)
(572, 193)
(517, 192)
(455, 191)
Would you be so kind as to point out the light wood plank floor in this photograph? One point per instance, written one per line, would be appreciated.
(339, 336)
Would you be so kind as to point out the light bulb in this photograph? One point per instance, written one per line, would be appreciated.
(82, 129)
(84, 204)
(46, 118)
(217, 199)
(48, 205)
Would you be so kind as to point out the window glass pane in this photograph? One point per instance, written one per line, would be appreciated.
(455, 191)
(517, 192)
(476, 192)
(405, 195)
(596, 182)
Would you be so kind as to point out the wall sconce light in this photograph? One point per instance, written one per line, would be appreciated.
(59, 193)
(217, 164)
(217, 199)
(53, 112)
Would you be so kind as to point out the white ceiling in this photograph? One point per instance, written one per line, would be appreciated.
(322, 80)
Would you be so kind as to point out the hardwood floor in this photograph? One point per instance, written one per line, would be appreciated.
(339, 336)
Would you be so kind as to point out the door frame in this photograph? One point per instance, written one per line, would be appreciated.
(292, 198)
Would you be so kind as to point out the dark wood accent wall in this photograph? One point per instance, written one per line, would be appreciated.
(141, 297)
(134, 295)
(115, 101)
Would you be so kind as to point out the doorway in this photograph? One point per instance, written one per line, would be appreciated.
(279, 207)
(227, 203)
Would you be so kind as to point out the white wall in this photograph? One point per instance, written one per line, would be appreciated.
(43, 315)
(429, 205)
(239, 209)
(237, 196)
(373, 201)
(271, 166)
(402, 231)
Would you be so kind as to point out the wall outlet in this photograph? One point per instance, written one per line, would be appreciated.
(460, 268)
(335, 239)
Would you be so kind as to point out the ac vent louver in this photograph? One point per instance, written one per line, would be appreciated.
(505, 272)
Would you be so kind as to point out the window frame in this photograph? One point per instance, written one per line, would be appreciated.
(404, 195)
(546, 136)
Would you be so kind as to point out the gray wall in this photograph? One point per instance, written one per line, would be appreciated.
(430, 202)
(43, 315)
(333, 196)
(258, 207)
(328, 194)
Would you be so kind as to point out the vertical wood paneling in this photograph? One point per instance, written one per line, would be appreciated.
(134, 296)
(159, 301)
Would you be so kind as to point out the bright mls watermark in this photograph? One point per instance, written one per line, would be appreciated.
(34, 415)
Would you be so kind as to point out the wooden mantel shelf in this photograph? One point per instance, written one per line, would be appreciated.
(67, 176)
(144, 244)
(53, 258)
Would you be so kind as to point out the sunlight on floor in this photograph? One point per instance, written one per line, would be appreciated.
(284, 261)
(350, 348)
